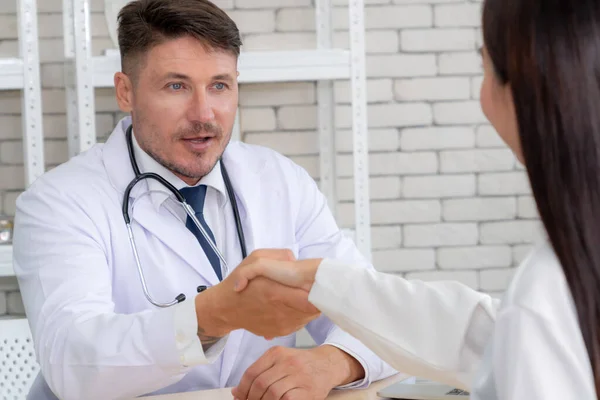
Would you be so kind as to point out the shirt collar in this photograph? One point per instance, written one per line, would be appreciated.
(158, 192)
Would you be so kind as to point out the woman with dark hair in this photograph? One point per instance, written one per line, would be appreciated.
(541, 92)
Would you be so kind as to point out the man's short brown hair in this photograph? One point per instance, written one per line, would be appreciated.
(144, 24)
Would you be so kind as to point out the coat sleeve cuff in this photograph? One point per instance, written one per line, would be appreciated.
(187, 341)
(326, 297)
(343, 341)
(360, 384)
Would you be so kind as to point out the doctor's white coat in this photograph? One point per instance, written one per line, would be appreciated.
(96, 336)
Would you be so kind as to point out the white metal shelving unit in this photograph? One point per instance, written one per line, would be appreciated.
(23, 73)
(324, 64)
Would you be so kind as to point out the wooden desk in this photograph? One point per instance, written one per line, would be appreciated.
(225, 394)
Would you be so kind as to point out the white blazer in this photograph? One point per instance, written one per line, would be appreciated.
(528, 347)
(96, 336)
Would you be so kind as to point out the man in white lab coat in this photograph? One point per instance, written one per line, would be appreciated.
(97, 336)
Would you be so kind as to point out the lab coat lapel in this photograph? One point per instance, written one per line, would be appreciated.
(244, 173)
(173, 233)
(245, 181)
(159, 223)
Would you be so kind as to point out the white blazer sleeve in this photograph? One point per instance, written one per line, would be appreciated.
(434, 330)
(82, 343)
(319, 236)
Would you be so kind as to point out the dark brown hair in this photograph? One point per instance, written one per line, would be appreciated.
(144, 24)
(549, 52)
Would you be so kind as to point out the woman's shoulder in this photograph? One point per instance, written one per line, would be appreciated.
(539, 285)
(537, 332)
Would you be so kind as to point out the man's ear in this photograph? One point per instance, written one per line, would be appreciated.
(124, 92)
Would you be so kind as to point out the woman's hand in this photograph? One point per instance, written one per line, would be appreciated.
(296, 274)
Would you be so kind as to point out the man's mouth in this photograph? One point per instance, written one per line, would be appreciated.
(199, 143)
(200, 140)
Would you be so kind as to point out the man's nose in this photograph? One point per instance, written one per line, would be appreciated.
(200, 109)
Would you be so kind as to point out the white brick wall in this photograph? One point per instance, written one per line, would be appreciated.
(458, 113)
(468, 278)
(401, 65)
(457, 15)
(474, 257)
(505, 183)
(454, 161)
(495, 279)
(449, 201)
(479, 209)
(404, 260)
(438, 186)
(440, 235)
(430, 40)
(511, 232)
(437, 138)
(459, 63)
(432, 89)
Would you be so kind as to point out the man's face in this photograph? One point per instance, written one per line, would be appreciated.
(183, 105)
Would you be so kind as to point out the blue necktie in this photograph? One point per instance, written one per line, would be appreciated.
(195, 196)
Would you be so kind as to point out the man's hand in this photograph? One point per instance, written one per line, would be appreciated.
(292, 374)
(295, 274)
(264, 308)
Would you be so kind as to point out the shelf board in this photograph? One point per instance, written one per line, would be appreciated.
(11, 74)
(6, 265)
(257, 66)
(297, 65)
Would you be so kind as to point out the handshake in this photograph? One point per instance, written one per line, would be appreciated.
(267, 294)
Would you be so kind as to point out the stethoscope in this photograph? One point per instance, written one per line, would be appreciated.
(189, 211)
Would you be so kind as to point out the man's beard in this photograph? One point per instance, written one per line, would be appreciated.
(181, 170)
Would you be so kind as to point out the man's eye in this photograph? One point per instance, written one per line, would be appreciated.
(176, 86)
(220, 86)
